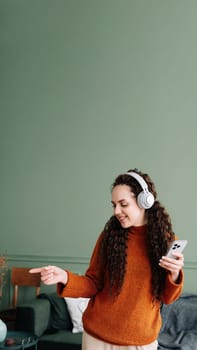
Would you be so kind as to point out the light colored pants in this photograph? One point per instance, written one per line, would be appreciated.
(91, 343)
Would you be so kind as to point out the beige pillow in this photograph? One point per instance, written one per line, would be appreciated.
(76, 307)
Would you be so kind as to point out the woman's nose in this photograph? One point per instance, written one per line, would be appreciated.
(117, 210)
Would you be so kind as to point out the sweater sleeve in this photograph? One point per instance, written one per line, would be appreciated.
(89, 284)
(173, 290)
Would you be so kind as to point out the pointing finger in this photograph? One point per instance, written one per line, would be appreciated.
(36, 270)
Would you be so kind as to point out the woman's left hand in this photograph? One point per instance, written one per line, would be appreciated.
(173, 265)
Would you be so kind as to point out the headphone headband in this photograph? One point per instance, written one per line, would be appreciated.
(139, 179)
(145, 199)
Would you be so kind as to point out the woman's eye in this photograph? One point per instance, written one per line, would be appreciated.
(121, 204)
(124, 205)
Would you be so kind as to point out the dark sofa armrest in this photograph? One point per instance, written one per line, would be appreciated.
(33, 316)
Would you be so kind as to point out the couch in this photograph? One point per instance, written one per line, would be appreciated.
(48, 317)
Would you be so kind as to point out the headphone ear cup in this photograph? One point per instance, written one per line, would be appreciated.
(145, 200)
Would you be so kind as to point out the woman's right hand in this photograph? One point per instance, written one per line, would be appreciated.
(51, 274)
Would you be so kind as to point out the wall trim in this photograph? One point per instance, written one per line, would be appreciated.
(188, 265)
(48, 259)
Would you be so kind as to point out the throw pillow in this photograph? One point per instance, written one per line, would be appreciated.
(59, 316)
(76, 307)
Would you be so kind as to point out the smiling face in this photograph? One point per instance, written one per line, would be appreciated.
(125, 207)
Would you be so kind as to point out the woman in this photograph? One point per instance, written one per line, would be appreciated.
(129, 276)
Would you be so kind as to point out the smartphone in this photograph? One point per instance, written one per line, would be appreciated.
(177, 246)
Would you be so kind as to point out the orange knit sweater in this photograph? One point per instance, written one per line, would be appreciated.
(131, 318)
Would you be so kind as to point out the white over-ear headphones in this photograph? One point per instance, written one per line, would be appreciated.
(145, 199)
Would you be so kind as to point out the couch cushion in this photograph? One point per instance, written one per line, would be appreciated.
(60, 318)
(33, 317)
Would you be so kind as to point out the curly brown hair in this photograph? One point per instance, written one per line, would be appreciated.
(159, 235)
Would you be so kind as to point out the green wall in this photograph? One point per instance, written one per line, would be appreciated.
(89, 89)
